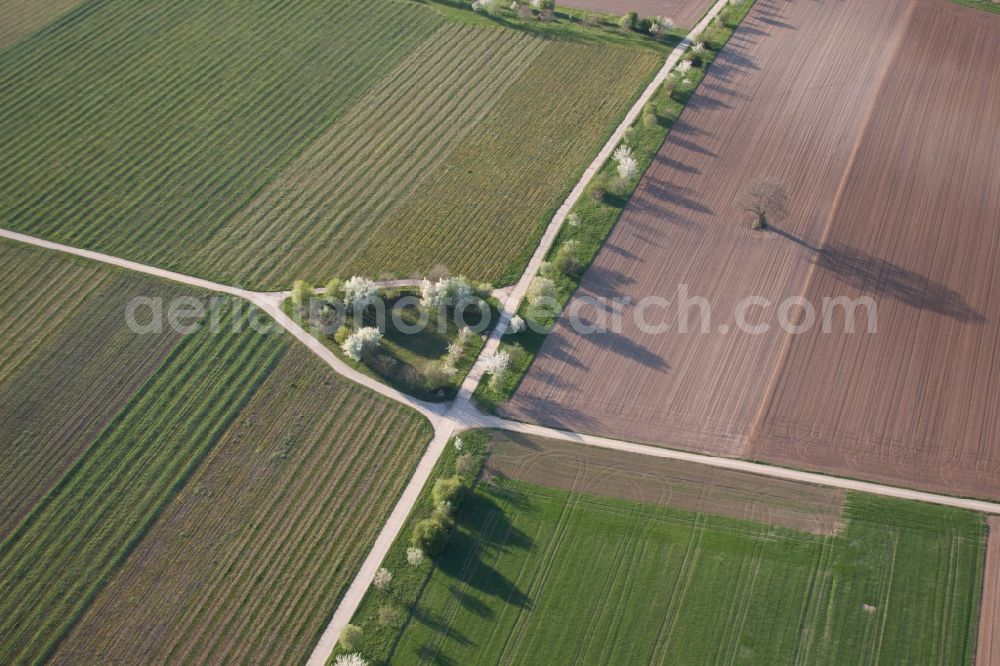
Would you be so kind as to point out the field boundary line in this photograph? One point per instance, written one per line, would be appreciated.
(738, 465)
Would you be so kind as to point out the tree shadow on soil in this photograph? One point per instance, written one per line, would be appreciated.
(871, 275)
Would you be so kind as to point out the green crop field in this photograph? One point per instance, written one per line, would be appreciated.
(60, 556)
(139, 128)
(540, 575)
(227, 474)
(257, 142)
(68, 364)
(247, 563)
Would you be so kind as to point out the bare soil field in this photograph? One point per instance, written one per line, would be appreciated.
(68, 364)
(901, 101)
(684, 13)
(918, 231)
(988, 651)
(247, 563)
(687, 486)
(795, 82)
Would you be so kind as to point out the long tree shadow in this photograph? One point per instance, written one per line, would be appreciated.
(483, 527)
(631, 350)
(675, 195)
(880, 277)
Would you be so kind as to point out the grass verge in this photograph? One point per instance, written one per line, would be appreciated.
(380, 630)
(985, 5)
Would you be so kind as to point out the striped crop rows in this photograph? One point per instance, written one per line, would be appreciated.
(62, 554)
(141, 127)
(20, 19)
(480, 211)
(259, 142)
(322, 209)
(247, 563)
(68, 364)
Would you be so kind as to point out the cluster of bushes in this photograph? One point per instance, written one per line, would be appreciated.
(427, 365)
(658, 27)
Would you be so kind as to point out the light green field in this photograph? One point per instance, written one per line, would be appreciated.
(258, 142)
(536, 575)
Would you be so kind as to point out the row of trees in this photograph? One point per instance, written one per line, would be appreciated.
(428, 539)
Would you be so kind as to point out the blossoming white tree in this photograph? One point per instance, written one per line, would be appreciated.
(628, 167)
(497, 365)
(516, 324)
(541, 291)
(661, 26)
(362, 342)
(414, 556)
(683, 67)
(359, 292)
(382, 578)
(450, 291)
(456, 348)
(353, 659)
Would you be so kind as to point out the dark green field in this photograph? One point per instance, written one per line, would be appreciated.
(538, 575)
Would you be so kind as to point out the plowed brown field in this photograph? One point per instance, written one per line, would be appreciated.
(918, 230)
(880, 119)
(684, 13)
(988, 652)
(682, 485)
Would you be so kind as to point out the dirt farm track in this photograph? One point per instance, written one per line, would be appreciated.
(880, 120)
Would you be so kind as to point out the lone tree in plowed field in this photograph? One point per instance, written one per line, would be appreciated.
(766, 199)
